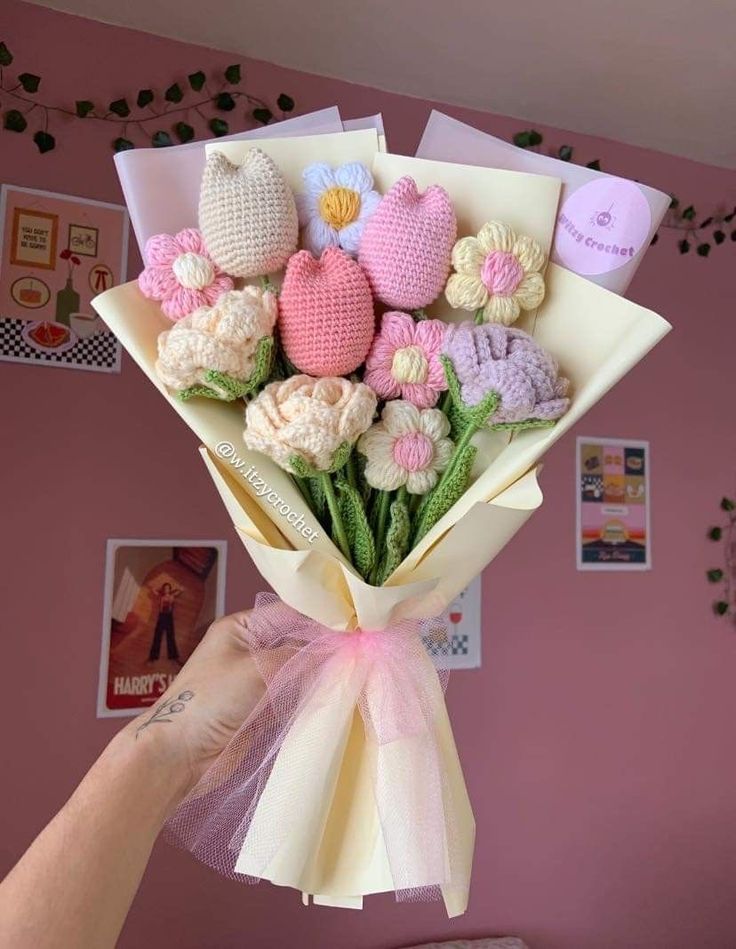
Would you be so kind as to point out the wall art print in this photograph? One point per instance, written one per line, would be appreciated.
(612, 486)
(56, 253)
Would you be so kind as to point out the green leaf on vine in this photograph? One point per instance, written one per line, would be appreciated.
(565, 153)
(595, 165)
(528, 138)
(219, 127)
(718, 236)
(6, 57)
(44, 141)
(232, 74)
(120, 107)
(683, 246)
(263, 115)
(15, 121)
(83, 107)
(145, 97)
(197, 80)
(703, 249)
(29, 82)
(160, 139)
(715, 575)
(715, 533)
(727, 504)
(225, 102)
(184, 131)
(174, 93)
(285, 103)
(122, 144)
(720, 607)
(689, 213)
(706, 223)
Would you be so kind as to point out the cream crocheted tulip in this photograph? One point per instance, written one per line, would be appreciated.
(223, 338)
(309, 418)
(247, 215)
(497, 274)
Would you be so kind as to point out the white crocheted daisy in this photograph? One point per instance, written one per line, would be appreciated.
(409, 446)
(497, 274)
(335, 206)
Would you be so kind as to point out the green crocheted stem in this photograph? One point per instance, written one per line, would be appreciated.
(397, 536)
(337, 524)
(478, 318)
(450, 487)
(382, 509)
(227, 388)
(268, 286)
(359, 534)
(419, 315)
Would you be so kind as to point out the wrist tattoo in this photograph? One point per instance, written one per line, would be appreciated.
(163, 712)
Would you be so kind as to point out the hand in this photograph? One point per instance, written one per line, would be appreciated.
(206, 704)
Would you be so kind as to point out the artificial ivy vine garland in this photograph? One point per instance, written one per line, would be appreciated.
(703, 236)
(725, 533)
(172, 111)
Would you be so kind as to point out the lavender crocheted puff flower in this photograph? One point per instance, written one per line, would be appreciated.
(501, 359)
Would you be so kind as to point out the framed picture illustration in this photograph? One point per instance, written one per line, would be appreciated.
(160, 597)
(57, 252)
(612, 484)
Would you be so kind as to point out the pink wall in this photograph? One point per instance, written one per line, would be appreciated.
(598, 737)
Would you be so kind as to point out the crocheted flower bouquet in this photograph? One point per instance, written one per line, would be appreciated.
(375, 356)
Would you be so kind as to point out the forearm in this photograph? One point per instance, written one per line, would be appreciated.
(75, 884)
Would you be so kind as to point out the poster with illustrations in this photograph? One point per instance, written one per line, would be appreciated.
(57, 253)
(457, 644)
(612, 488)
(160, 597)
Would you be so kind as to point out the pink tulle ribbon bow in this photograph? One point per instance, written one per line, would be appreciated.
(251, 805)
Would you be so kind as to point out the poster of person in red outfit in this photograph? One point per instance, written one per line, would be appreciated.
(160, 597)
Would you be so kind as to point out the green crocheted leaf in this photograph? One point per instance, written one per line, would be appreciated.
(462, 414)
(227, 388)
(397, 539)
(521, 426)
(302, 468)
(360, 536)
(448, 491)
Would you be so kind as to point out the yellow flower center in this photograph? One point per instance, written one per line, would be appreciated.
(409, 365)
(339, 207)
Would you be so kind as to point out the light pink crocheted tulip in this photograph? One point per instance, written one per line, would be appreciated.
(407, 244)
(326, 318)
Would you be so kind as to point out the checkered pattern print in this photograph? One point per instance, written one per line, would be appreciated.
(456, 645)
(99, 353)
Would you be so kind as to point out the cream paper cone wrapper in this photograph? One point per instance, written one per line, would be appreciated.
(336, 851)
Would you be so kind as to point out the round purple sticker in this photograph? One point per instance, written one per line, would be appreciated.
(602, 226)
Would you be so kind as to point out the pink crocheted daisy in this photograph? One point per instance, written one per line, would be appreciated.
(181, 274)
(404, 360)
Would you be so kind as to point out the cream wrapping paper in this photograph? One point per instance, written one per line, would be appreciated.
(336, 851)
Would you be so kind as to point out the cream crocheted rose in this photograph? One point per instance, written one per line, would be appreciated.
(309, 418)
(407, 447)
(497, 274)
(223, 338)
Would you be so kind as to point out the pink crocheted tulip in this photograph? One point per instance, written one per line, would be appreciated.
(326, 318)
(407, 244)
